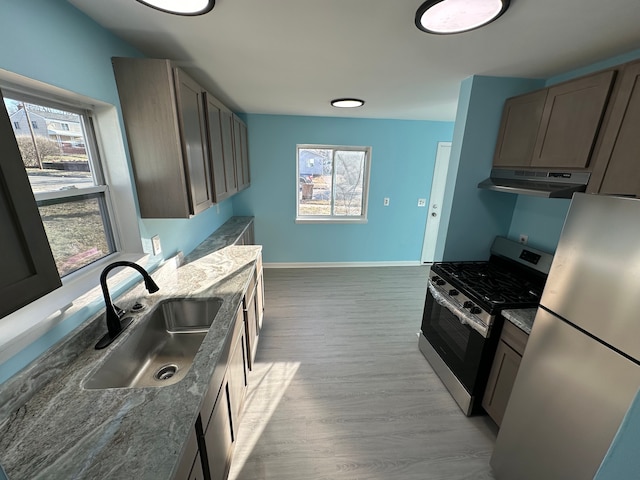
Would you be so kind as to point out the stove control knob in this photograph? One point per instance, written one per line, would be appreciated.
(475, 310)
(453, 292)
(437, 280)
(440, 282)
(467, 304)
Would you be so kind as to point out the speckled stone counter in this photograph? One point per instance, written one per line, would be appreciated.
(226, 235)
(65, 431)
(521, 318)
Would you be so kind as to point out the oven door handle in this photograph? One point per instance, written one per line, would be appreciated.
(466, 318)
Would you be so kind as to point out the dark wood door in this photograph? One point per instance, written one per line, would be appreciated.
(501, 379)
(218, 437)
(28, 271)
(519, 129)
(194, 147)
(216, 151)
(226, 120)
(571, 120)
(617, 166)
(237, 153)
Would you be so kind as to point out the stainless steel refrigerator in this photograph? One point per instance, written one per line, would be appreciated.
(581, 366)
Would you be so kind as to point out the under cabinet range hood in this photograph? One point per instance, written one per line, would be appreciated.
(548, 184)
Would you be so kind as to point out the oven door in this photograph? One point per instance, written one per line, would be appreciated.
(463, 349)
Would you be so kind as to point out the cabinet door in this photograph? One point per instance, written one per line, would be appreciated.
(196, 472)
(29, 270)
(192, 128)
(518, 130)
(237, 152)
(251, 325)
(216, 151)
(617, 167)
(226, 120)
(570, 122)
(190, 462)
(244, 153)
(218, 439)
(501, 379)
(260, 300)
(237, 379)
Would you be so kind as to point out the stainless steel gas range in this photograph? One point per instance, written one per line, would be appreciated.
(461, 322)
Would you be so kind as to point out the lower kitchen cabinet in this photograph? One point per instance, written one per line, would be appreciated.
(260, 297)
(217, 437)
(190, 467)
(504, 370)
(220, 424)
(210, 448)
(250, 321)
(253, 312)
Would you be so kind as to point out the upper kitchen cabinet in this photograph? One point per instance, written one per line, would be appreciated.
(220, 149)
(29, 270)
(573, 112)
(616, 168)
(518, 130)
(555, 127)
(228, 149)
(163, 110)
(241, 153)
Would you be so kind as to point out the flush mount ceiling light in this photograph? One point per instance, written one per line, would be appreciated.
(347, 102)
(181, 7)
(445, 17)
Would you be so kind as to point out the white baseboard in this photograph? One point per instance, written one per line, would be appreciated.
(342, 264)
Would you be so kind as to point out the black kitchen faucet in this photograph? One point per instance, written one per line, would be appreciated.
(115, 326)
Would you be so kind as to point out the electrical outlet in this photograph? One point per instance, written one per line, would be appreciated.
(523, 239)
(422, 202)
(157, 247)
(386, 201)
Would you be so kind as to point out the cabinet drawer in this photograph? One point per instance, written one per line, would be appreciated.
(514, 337)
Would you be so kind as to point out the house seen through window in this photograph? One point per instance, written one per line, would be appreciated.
(61, 160)
(332, 183)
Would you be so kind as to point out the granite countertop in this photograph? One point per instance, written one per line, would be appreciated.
(65, 431)
(521, 318)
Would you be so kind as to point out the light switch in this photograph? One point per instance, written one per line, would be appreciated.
(155, 243)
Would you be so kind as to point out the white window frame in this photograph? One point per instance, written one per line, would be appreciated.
(24, 326)
(362, 218)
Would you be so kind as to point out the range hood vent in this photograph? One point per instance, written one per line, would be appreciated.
(548, 184)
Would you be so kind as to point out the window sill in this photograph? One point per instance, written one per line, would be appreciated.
(23, 327)
(330, 220)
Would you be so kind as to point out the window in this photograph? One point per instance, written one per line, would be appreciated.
(67, 182)
(65, 126)
(16, 125)
(332, 184)
(34, 124)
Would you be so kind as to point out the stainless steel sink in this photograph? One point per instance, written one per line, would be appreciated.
(161, 348)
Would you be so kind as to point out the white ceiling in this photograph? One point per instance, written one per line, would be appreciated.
(294, 56)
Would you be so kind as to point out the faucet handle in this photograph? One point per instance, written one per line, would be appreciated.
(120, 312)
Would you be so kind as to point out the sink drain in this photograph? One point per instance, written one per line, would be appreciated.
(166, 372)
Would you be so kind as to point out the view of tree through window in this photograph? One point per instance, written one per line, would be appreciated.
(70, 195)
(332, 182)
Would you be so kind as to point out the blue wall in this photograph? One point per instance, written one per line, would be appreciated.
(51, 41)
(477, 216)
(403, 156)
(541, 219)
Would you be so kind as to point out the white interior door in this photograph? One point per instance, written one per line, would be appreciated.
(435, 202)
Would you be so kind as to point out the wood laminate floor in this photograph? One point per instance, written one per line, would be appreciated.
(341, 391)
